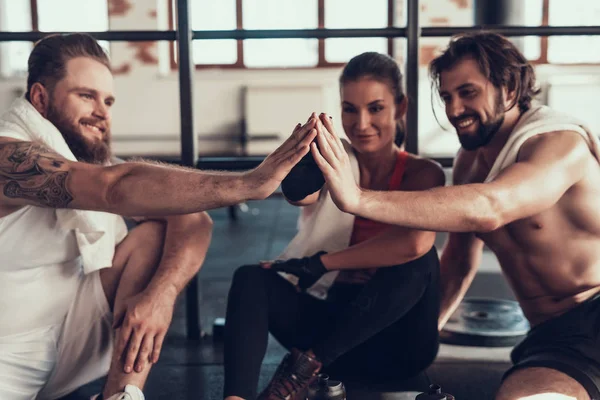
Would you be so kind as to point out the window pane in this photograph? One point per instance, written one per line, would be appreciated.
(532, 14)
(573, 49)
(215, 51)
(82, 16)
(340, 14)
(213, 15)
(443, 13)
(13, 55)
(281, 52)
(341, 50)
(532, 47)
(354, 14)
(279, 14)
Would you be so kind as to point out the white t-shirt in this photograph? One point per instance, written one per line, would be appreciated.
(39, 273)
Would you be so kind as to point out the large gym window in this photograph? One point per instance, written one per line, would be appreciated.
(562, 49)
(285, 14)
(46, 16)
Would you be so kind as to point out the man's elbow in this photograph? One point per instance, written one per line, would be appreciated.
(205, 221)
(113, 191)
(96, 188)
(488, 215)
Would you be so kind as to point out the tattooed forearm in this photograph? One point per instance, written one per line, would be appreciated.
(32, 172)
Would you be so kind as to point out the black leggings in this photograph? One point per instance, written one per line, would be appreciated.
(384, 329)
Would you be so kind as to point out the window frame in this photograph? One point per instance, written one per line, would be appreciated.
(544, 43)
(239, 64)
(34, 15)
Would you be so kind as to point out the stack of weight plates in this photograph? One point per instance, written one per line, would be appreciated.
(485, 322)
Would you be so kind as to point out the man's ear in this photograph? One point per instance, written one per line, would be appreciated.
(401, 108)
(511, 98)
(40, 98)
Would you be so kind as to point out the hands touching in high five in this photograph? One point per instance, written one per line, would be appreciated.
(332, 159)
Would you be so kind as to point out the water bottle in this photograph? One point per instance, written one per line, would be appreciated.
(435, 393)
(325, 389)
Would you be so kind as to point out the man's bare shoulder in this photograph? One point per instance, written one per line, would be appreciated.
(565, 143)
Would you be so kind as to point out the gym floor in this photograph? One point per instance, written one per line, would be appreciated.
(194, 370)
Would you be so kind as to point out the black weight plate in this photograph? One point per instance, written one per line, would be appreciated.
(485, 322)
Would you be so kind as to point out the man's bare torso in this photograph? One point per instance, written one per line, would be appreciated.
(552, 259)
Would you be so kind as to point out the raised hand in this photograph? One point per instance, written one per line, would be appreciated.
(269, 174)
(333, 161)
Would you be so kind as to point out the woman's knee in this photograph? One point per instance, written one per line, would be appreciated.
(249, 275)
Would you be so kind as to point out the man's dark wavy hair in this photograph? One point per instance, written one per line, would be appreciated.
(499, 61)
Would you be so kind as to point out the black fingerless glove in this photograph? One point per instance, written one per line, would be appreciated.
(307, 269)
(304, 179)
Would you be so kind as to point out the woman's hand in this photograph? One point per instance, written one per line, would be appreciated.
(333, 161)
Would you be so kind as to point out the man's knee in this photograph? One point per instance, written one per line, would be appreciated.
(147, 242)
(141, 248)
(539, 383)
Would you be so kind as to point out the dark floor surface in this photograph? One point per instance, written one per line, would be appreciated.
(194, 370)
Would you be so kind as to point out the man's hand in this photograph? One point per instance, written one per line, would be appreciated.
(141, 328)
(307, 269)
(268, 175)
(332, 159)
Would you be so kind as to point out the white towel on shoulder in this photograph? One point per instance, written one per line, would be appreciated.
(97, 233)
(536, 121)
(322, 226)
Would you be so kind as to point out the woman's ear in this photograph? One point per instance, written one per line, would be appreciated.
(401, 108)
(40, 98)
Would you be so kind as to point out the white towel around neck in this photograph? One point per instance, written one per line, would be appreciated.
(322, 226)
(97, 233)
(536, 121)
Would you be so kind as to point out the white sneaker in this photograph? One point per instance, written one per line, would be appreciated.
(131, 392)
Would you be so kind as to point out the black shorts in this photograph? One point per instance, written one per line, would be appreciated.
(569, 343)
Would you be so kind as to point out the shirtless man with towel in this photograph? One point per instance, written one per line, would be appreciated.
(526, 184)
(60, 306)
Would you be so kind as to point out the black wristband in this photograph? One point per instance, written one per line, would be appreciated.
(315, 264)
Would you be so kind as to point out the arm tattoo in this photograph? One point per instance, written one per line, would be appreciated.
(33, 172)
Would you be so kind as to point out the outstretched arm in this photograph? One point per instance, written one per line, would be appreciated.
(396, 245)
(32, 174)
(548, 166)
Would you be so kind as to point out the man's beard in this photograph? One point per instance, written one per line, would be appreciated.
(485, 132)
(96, 152)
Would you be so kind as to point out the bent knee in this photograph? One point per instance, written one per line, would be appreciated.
(249, 274)
(537, 383)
